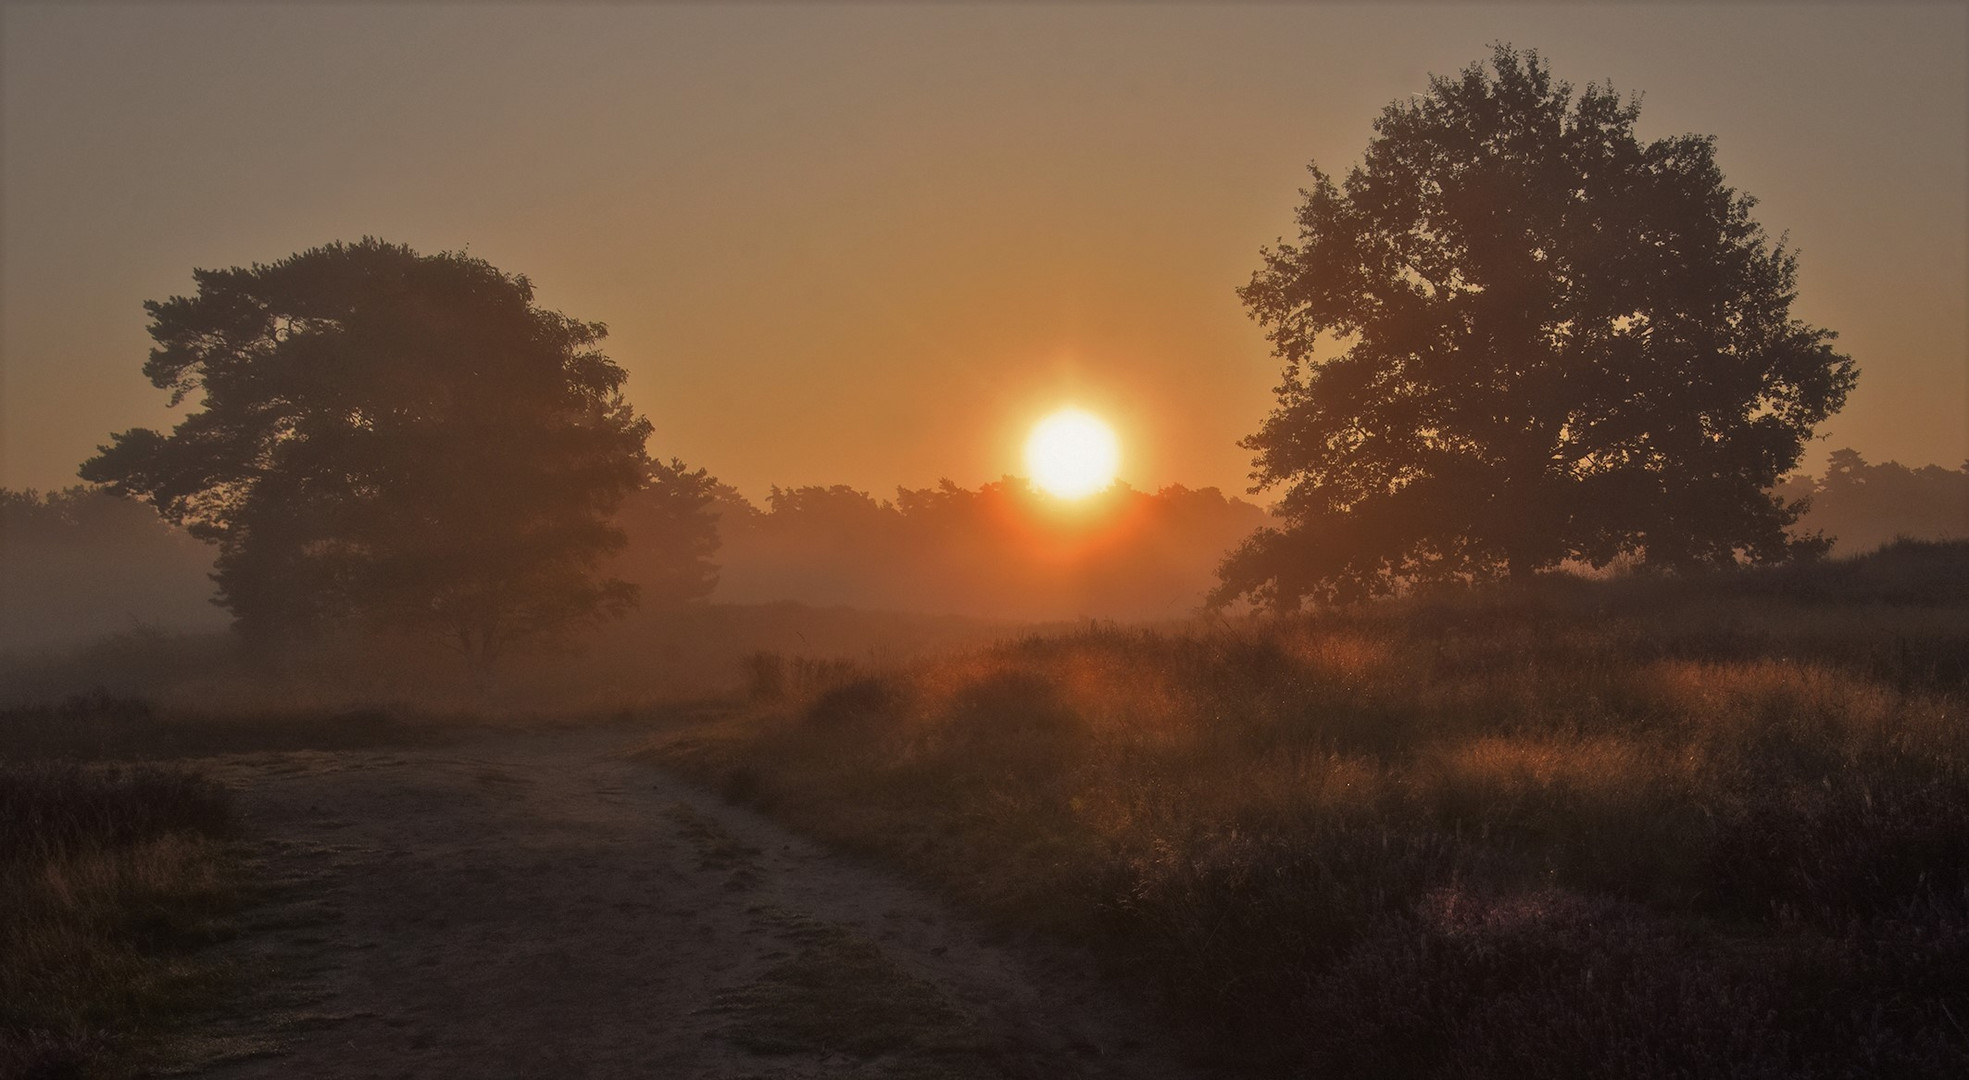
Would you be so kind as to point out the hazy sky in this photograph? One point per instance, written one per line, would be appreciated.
(872, 244)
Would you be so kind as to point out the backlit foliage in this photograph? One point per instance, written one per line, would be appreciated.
(399, 438)
(1516, 335)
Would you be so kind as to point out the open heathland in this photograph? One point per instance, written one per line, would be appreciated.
(1699, 825)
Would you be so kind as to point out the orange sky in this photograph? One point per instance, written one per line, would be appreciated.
(870, 245)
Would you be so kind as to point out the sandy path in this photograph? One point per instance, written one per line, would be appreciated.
(535, 905)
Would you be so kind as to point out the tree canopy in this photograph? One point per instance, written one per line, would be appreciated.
(388, 437)
(1516, 335)
(672, 530)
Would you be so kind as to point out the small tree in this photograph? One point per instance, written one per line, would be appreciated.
(389, 437)
(1549, 341)
(672, 527)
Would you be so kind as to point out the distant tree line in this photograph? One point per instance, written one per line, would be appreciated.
(1860, 506)
(1000, 550)
(78, 563)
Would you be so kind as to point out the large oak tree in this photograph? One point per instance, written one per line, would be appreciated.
(1518, 334)
(389, 438)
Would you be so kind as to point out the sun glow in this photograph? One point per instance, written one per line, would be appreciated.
(1072, 454)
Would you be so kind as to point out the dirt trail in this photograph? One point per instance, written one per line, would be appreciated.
(537, 905)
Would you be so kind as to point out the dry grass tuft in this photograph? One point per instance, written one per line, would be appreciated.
(110, 879)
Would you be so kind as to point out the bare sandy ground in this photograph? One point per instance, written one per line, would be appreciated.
(521, 904)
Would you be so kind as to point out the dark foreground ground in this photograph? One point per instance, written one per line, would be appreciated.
(533, 904)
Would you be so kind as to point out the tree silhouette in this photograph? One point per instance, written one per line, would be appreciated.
(390, 438)
(1859, 506)
(1003, 550)
(672, 529)
(1518, 335)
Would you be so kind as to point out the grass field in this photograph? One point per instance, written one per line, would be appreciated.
(1643, 827)
(1703, 826)
(110, 880)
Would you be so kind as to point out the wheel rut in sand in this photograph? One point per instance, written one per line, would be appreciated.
(537, 904)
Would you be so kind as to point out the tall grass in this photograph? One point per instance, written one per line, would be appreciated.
(109, 879)
(1632, 828)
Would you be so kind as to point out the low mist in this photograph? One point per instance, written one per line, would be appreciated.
(1002, 551)
(113, 596)
(1862, 506)
(78, 564)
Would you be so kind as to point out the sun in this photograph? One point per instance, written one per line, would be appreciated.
(1072, 454)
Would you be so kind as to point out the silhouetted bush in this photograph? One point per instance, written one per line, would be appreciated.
(858, 701)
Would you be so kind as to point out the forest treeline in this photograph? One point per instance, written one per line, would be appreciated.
(1006, 551)
(1002, 550)
(78, 563)
(1862, 506)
